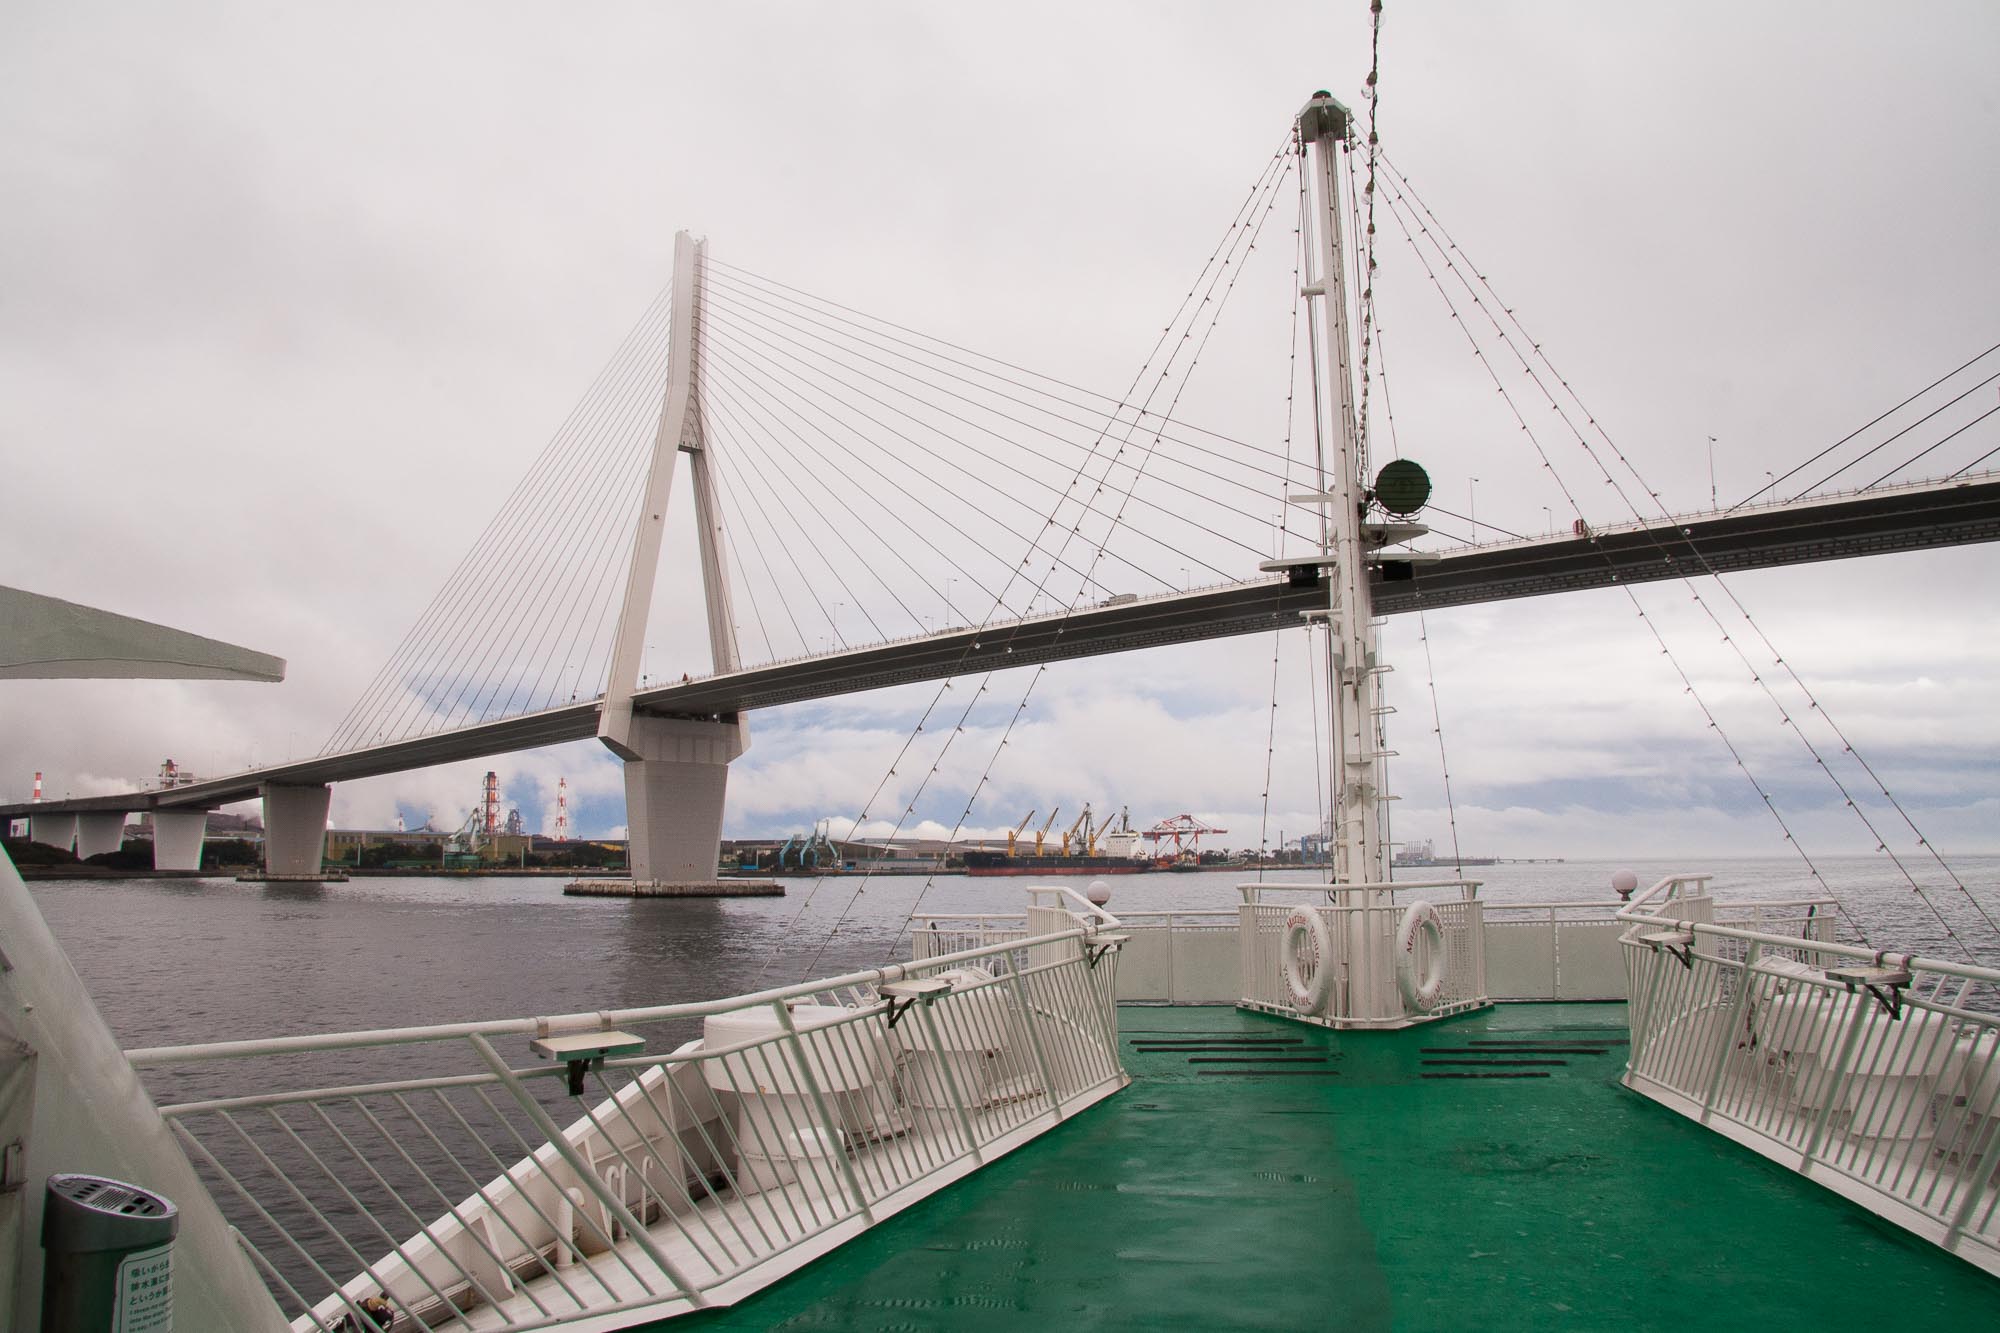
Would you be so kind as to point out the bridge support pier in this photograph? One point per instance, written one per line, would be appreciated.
(98, 832)
(177, 838)
(53, 830)
(295, 830)
(674, 791)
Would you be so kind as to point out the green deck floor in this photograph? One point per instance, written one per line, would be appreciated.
(1360, 1194)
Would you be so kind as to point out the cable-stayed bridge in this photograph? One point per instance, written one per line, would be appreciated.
(845, 471)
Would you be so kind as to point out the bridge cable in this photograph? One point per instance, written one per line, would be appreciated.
(1280, 543)
(1241, 445)
(1030, 404)
(1939, 445)
(355, 725)
(1872, 451)
(796, 390)
(895, 515)
(1025, 475)
(1779, 481)
(1562, 485)
(501, 537)
(1218, 264)
(1785, 714)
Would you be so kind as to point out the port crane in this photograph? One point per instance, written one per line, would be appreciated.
(1014, 835)
(1186, 831)
(1041, 834)
(1082, 822)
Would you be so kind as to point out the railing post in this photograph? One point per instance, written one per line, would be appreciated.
(1837, 1076)
(1035, 1041)
(925, 1017)
(1641, 1047)
(1743, 984)
(827, 1123)
(586, 1175)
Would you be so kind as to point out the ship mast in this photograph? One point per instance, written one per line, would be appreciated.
(1355, 762)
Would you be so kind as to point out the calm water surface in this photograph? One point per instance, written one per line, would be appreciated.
(176, 960)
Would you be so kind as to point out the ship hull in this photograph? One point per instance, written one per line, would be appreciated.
(999, 863)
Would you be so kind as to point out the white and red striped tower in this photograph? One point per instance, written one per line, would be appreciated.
(38, 784)
(492, 802)
(562, 809)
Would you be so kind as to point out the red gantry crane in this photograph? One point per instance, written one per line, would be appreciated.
(1186, 831)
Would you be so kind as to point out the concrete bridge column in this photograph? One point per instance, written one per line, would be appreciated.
(673, 798)
(295, 829)
(177, 838)
(53, 830)
(99, 831)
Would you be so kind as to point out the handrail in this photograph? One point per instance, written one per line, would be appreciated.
(1083, 904)
(601, 1020)
(1471, 886)
(1880, 957)
(1663, 886)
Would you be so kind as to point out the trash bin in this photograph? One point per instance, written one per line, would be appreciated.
(109, 1257)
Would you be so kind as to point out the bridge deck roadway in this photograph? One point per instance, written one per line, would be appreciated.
(1903, 518)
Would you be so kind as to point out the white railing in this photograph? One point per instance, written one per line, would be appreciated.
(1168, 957)
(1877, 1074)
(1570, 951)
(1364, 923)
(418, 1175)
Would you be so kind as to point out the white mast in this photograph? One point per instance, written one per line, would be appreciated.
(1354, 764)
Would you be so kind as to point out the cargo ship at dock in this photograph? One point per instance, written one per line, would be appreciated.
(1000, 863)
(1087, 848)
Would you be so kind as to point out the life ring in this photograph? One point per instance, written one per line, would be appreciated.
(1421, 993)
(1309, 994)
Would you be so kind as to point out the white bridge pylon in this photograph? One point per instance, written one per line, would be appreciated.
(676, 769)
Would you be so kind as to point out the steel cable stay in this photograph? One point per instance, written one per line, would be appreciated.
(1787, 715)
(1117, 405)
(1941, 443)
(893, 514)
(947, 459)
(798, 409)
(729, 495)
(1218, 304)
(476, 644)
(1779, 481)
(1417, 204)
(1569, 497)
(1191, 491)
(895, 362)
(727, 501)
(428, 647)
(560, 499)
(986, 482)
(742, 466)
(415, 643)
(1279, 541)
(1973, 464)
(518, 532)
(1883, 444)
(571, 566)
(1280, 160)
(349, 730)
(745, 441)
(1381, 372)
(801, 509)
(617, 502)
(777, 533)
(1153, 389)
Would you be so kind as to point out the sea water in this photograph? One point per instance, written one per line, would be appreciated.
(184, 960)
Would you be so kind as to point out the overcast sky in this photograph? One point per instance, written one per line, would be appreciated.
(289, 299)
